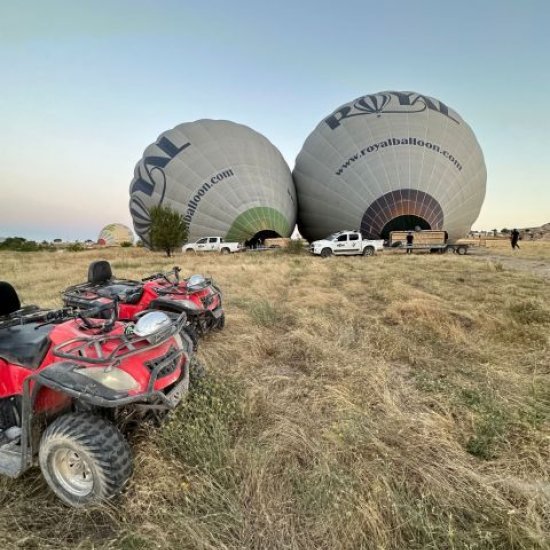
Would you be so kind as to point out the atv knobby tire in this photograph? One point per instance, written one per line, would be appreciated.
(84, 459)
(197, 371)
(191, 331)
(220, 323)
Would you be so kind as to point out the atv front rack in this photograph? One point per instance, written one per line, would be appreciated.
(91, 350)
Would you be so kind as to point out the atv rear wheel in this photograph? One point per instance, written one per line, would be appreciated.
(84, 459)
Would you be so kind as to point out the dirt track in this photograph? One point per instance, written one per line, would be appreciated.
(539, 267)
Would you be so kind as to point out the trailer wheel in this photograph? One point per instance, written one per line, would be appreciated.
(449, 250)
(368, 251)
(84, 459)
(461, 250)
(326, 253)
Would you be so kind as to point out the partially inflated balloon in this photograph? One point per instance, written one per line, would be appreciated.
(115, 234)
(224, 178)
(390, 161)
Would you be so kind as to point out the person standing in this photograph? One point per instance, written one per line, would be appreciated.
(514, 238)
(410, 239)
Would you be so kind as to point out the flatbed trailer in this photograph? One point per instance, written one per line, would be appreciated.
(426, 240)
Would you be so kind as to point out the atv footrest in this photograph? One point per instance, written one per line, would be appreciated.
(10, 461)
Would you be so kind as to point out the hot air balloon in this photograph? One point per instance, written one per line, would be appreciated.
(224, 178)
(115, 234)
(390, 161)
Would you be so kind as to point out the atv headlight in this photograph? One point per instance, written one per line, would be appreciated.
(196, 282)
(153, 326)
(112, 378)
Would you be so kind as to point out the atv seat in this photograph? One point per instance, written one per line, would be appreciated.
(99, 272)
(125, 291)
(25, 345)
(9, 301)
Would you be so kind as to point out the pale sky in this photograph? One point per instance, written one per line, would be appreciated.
(87, 85)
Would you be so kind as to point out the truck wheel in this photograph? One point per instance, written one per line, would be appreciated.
(369, 251)
(224, 251)
(84, 459)
(326, 253)
(190, 251)
(461, 250)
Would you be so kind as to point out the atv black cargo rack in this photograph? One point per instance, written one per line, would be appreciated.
(86, 349)
(33, 314)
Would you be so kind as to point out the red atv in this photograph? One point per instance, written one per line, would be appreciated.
(68, 383)
(196, 296)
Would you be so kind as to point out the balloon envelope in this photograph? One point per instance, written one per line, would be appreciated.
(225, 179)
(390, 161)
(115, 234)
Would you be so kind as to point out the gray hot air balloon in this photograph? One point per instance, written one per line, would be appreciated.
(390, 161)
(224, 178)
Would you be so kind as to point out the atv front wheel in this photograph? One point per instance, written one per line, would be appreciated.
(84, 459)
(197, 372)
(220, 322)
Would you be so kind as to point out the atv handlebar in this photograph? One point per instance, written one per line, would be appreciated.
(96, 312)
(165, 275)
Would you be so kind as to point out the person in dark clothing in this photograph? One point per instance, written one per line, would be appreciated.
(410, 239)
(514, 238)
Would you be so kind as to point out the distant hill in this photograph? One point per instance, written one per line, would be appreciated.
(536, 233)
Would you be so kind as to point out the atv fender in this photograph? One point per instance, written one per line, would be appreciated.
(173, 306)
(62, 377)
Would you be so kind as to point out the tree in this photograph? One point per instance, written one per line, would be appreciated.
(168, 229)
(505, 231)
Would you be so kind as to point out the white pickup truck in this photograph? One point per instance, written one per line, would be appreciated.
(344, 243)
(212, 244)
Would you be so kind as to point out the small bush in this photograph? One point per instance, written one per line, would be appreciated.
(529, 312)
(75, 247)
(489, 433)
(126, 244)
(19, 244)
(204, 425)
(295, 246)
(265, 314)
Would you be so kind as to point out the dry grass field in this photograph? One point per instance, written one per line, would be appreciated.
(393, 402)
(529, 250)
